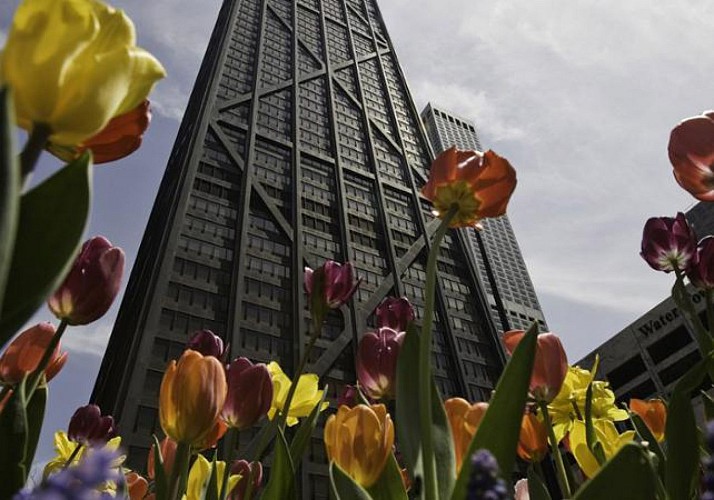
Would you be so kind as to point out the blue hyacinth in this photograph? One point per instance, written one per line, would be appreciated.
(708, 465)
(485, 483)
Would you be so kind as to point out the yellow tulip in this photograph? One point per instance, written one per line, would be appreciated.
(360, 440)
(608, 436)
(191, 397)
(73, 65)
(306, 395)
(199, 475)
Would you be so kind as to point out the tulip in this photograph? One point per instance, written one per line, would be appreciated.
(521, 490)
(306, 395)
(199, 475)
(533, 439)
(691, 152)
(329, 286)
(348, 397)
(167, 449)
(609, 438)
(121, 137)
(359, 440)
(207, 343)
(653, 413)
(245, 470)
(89, 427)
(549, 367)
(24, 354)
(701, 272)
(669, 244)
(395, 313)
(250, 393)
(377, 355)
(67, 452)
(91, 285)
(464, 419)
(136, 486)
(479, 184)
(191, 397)
(211, 439)
(73, 65)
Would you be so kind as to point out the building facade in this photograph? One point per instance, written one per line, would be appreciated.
(300, 143)
(511, 296)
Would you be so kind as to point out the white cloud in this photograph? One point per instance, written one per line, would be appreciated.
(169, 99)
(91, 339)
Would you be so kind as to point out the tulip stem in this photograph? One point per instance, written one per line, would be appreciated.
(36, 142)
(34, 379)
(232, 438)
(562, 476)
(77, 447)
(179, 471)
(425, 377)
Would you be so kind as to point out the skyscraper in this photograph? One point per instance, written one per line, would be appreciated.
(300, 143)
(511, 296)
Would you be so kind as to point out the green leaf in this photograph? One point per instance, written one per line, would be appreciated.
(35, 417)
(160, 479)
(629, 475)
(682, 435)
(444, 454)
(594, 445)
(13, 436)
(52, 220)
(10, 186)
(501, 425)
(389, 486)
(343, 486)
(304, 432)
(211, 490)
(281, 484)
(256, 447)
(537, 489)
(646, 435)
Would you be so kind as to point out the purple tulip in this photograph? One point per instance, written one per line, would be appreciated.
(329, 286)
(245, 469)
(89, 427)
(395, 313)
(250, 393)
(669, 243)
(348, 397)
(91, 285)
(701, 273)
(377, 355)
(207, 343)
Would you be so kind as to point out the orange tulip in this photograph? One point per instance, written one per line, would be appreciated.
(167, 448)
(480, 184)
(211, 439)
(191, 397)
(136, 485)
(653, 413)
(23, 355)
(533, 440)
(360, 440)
(464, 419)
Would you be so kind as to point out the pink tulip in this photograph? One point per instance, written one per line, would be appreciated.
(250, 392)
(395, 313)
(207, 343)
(330, 286)
(377, 355)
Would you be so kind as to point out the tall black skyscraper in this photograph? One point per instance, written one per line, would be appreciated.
(300, 143)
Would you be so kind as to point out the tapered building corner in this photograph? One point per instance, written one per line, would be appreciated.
(300, 143)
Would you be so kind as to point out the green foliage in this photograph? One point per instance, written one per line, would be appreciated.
(9, 189)
(160, 479)
(281, 484)
(210, 492)
(343, 487)
(646, 435)
(389, 486)
(13, 436)
(35, 411)
(536, 487)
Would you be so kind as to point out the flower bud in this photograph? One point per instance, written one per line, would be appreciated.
(167, 448)
(377, 355)
(136, 486)
(87, 426)
(92, 284)
(191, 397)
(395, 313)
(669, 243)
(691, 152)
(254, 471)
(24, 354)
(549, 367)
(348, 397)
(653, 413)
(533, 439)
(329, 286)
(359, 440)
(250, 393)
(207, 343)
(464, 419)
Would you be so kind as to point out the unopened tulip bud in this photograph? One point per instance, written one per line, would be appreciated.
(89, 427)
(533, 439)
(395, 313)
(250, 393)
(653, 413)
(23, 355)
(92, 284)
(252, 470)
(377, 355)
(464, 420)
(207, 343)
(136, 486)
(669, 243)
(329, 286)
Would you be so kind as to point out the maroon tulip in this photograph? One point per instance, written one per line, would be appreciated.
(377, 362)
(395, 313)
(348, 397)
(207, 343)
(669, 243)
(87, 426)
(549, 367)
(245, 469)
(329, 286)
(701, 274)
(250, 393)
(691, 152)
(91, 285)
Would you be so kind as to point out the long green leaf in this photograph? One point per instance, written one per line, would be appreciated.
(629, 475)
(593, 443)
(537, 489)
(501, 425)
(9, 188)
(35, 417)
(160, 479)
(211, 490)
(13, 443)
(343, 487)
(52, 220)
(281, 485)
(682, 435)
(444, 454)
(389, 486)
(304, 433)
(646, 435)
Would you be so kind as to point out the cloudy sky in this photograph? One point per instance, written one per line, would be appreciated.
(579, 96)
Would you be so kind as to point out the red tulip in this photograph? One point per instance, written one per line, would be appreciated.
(207, 343)
(89, 427)
(250, 393)
(377, 355)
(24, 354)
(691, 152)
(701, 272)
(669, 243)
(395, 313)
(549, 367)
(329, 286)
